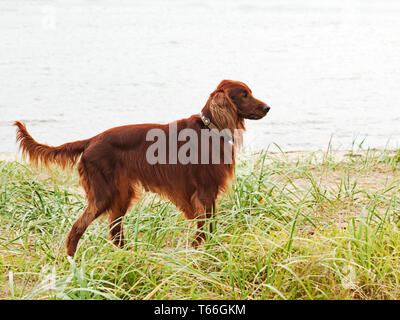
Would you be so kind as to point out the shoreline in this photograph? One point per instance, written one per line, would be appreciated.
(319, 155)
(338, 155)
(10, 156)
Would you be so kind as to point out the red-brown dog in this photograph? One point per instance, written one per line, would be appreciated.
(114, 164)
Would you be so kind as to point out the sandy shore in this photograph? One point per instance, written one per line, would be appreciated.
(10, 156)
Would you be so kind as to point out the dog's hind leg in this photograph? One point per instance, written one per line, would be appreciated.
(100, 196)
(118, 209)
(79, 227)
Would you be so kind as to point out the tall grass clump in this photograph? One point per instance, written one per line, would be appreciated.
(322, 225)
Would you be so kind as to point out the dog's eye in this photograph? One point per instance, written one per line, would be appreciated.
(245, 95)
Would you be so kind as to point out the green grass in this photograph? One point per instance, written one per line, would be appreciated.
(293, 226)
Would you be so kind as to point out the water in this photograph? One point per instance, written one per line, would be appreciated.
(72, 69)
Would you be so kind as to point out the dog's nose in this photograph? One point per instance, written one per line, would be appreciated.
(266, 108)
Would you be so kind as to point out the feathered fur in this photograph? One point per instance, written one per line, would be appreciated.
(113, 164)
(64, 155)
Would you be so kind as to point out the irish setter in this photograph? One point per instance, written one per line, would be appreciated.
(113, 166)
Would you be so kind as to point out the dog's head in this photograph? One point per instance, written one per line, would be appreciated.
(231, 103)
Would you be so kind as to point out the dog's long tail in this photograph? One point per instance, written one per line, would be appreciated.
(64, 155)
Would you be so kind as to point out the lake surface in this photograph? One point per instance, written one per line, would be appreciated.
(71, 69)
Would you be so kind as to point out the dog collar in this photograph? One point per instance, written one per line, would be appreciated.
(207, 122)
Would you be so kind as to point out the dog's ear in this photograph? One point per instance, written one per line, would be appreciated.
(223, 111)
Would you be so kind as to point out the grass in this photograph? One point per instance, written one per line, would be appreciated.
(294, 226)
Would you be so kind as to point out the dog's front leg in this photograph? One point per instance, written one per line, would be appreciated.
(204, 208)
